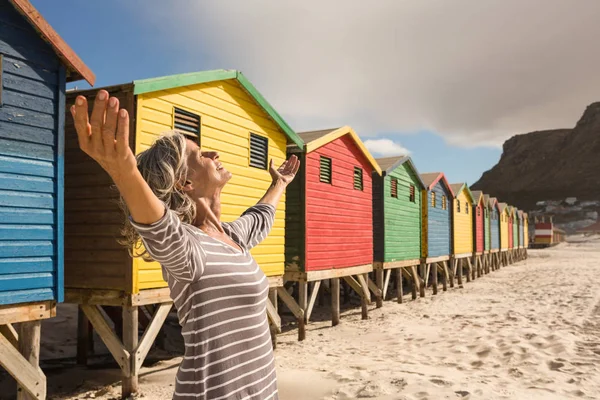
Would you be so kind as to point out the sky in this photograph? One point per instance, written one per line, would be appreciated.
(444, 81)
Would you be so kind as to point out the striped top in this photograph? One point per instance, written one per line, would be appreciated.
(220, 294)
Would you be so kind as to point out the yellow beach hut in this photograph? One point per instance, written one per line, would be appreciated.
(221, 110)
(504, 245)
(462, 230)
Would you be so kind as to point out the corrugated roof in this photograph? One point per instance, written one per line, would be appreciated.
(76, 69)
(310, 136)
(388, 162)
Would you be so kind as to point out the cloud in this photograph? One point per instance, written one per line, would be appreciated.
(475, 72)
(386, 148)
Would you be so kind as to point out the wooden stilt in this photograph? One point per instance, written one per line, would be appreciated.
(366, 298)
(10, 333)
(29, 347)
(434, 278)
(386, 283)
(303, 296)
(399, 285)
(24, 367)
(83, 337)
(298, 312)
(379, 279)
(460, 273)
(313, 298)
(335, 301)
(130, 342)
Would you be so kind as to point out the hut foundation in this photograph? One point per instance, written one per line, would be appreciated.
(356, 277)
(459, 263)
(477, 263)
(20, 351)
(413, 271)
(437, 267)
(494, 259)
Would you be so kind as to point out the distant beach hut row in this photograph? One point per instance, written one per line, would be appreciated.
(347, 217)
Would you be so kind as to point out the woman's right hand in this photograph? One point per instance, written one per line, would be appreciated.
(105, 135)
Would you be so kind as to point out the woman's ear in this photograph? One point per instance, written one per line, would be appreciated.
(186, 186)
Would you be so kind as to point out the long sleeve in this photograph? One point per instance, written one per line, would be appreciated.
(255, 224)
(169, 242)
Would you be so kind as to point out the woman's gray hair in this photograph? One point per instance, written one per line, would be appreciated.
(164, 167)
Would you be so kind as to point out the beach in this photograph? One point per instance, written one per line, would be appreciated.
(527, 331)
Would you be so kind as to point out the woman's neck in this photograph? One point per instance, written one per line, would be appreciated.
(208, 213)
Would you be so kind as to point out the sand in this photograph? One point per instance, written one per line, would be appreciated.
(528, 331)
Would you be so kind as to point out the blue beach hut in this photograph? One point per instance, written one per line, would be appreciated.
(35, 64)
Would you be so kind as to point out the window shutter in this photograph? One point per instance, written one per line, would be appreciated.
(325, 170)
(186, 123)
(444, 204)
(467, 208)
(395, 188)
(433, 199)
(358, 178)
(457, 205)
(259, 151)
(412, 194)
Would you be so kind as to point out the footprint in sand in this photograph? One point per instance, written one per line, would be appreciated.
(484, 353)
(555, 365)
(462, 393)
(440, 382)
(477, 364)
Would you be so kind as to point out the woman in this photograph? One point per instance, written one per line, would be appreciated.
(172, 195)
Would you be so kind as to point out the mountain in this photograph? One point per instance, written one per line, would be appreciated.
(548, 165)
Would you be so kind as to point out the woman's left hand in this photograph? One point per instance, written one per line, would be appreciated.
(286, 172)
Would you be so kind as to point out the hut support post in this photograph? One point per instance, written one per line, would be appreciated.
(313, 298)
(386, 283)
(434, 278)
(298, 312)
(399, 285)
(85, 337)
(130, 341)
(379, 278)
(23, 363)
(335, 301)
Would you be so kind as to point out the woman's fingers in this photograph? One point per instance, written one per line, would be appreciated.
(109, 129)
(123, 133)
(80, 119)
(97, 119)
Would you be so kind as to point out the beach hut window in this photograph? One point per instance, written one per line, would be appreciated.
(394, 188)
(411, 196)
(186, 123)
(433, 199)
(457, 206)
(467, 208)
(325, 170)
(358, 178)
(259, 151)
(444, 204)
(478, 212)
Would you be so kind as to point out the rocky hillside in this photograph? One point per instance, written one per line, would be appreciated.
(548, 165)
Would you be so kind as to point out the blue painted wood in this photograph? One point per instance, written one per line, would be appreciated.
(28, 102)
(31, 166)
(19, 39)
(23, 133)
(26, 216)
(60, 190)
(495, 229)
(27, 117)
(27, 200)
(24, 183)
(13, 165)
(439, 228)
(26, 296)
(20, 149)
(13, 249)
(26, 232)
(39, 280)
(24, 69)
(26, 265)
(18, 83)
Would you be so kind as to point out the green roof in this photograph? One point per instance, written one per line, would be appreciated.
(194, 78)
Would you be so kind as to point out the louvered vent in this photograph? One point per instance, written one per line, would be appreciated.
(411, 196)
(186, 123)
(259, 151)
(444, 204)
(358, 178)
(394, 188)
(432, 199)
(325, 170)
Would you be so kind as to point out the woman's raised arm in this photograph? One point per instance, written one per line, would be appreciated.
(105, 137)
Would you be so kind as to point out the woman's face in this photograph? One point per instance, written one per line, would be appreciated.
(206, 174)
